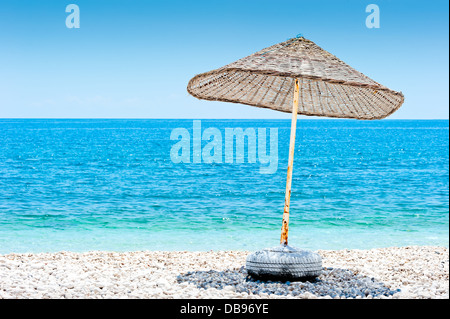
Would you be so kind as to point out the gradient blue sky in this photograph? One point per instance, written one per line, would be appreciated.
(133, 59)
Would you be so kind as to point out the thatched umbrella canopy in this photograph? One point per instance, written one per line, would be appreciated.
(328, 86)
(323, 85)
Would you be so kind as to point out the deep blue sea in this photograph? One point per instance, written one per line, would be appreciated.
(80, 185)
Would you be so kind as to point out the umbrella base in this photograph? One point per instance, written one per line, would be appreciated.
(284, 263)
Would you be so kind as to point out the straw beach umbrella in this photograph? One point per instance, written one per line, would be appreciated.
(298, 77)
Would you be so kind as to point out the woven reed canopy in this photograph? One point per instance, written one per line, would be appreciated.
(327, 85)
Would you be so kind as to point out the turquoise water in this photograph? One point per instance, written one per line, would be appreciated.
(82, 185)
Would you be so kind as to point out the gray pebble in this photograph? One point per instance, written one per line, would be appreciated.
(332, 282)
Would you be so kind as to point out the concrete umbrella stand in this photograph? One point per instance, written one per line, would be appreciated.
(322, 85)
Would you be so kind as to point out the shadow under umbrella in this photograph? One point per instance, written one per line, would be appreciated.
(333, 282)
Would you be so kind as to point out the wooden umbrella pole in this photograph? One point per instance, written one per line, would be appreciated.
(287, 198)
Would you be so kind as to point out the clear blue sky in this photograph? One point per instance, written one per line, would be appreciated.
(133, 59)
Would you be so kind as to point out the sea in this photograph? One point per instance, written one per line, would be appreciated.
(119, 185)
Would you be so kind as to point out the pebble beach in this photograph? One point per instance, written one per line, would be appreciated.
(419, 272)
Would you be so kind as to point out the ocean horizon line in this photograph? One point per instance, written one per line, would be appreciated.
(212, 119)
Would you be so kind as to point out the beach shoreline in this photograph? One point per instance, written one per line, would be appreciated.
(407, 272)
